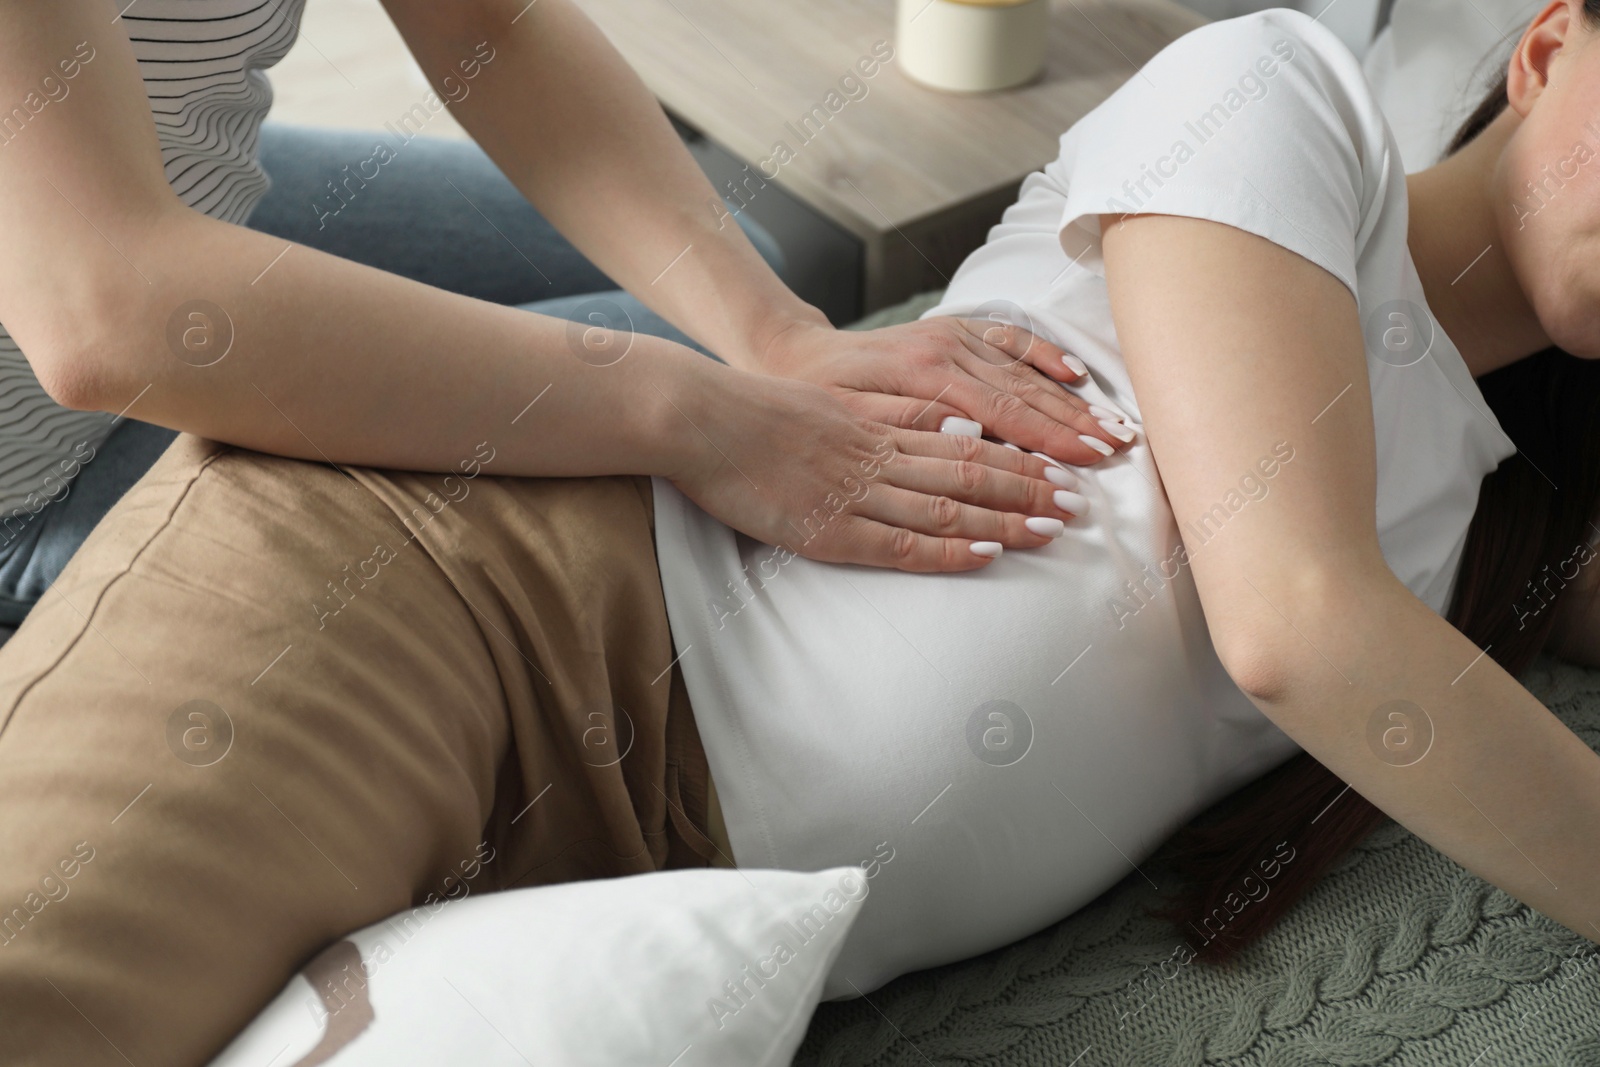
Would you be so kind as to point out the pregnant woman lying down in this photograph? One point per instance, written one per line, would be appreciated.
(1230, 244)
(1262, 579)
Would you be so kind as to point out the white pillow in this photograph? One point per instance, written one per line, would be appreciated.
(692, 968)
(1434, 61)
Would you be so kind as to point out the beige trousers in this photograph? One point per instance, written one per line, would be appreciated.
(270, 702)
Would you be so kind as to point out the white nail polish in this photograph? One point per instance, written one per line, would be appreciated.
(1045, 526)
(1014, 448)
(1096, 444)
(987, 548)
(1107, 413)
(964, 427)
(1072, 502)
(1117, 430)
(1073, 362)
(1053, 461)
(1061, 476)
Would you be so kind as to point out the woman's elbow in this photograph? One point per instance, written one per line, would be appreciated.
(1262, 669)
(70, 377)
(75, 339)
(1286, 635)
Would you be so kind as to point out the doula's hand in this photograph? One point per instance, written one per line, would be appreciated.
(785, 462)
(918, 374)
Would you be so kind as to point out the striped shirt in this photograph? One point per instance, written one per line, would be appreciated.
(204, 68)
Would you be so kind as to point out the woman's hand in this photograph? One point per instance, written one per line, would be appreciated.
(916, 375)
(786, 463)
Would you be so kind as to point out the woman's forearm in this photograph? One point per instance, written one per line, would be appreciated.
(575, 130)
(326, 359)
(1430, 729)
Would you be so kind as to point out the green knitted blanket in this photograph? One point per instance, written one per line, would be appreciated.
(1398, 957)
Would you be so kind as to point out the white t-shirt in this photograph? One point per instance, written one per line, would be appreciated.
(1016, 739)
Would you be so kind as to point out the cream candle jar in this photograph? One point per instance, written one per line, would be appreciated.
(971, 46)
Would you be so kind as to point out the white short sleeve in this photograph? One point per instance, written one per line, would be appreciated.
(1263, 122)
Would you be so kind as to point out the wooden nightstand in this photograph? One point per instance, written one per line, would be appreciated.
(917, 175)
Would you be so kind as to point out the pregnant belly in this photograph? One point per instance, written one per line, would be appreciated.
(994, 748)
(1009, 745)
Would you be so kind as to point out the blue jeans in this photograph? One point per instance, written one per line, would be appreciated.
(440, 213)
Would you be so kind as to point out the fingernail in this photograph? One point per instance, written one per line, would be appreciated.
(1053, 461)
(1096, 444)
(1061, 476)
(1046, 527)
(1106, 413)
(965, 427)
(987, 548)
(1074, 362)
(1014, 448)
(1071, 502)
(1117, 430)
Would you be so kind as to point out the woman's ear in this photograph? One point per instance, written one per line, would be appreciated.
(1528, 74)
